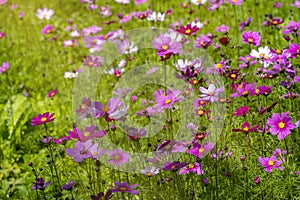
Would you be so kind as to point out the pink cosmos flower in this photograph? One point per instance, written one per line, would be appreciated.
(42, 119)
(236, 2)
(251, 37)
(200, 150)
(2, 34)
(137, 2)
(280, 125)
(165, 45)
(52, 93)
(83, 150)
(3, 2)
(118, 157)
(270, 163)
(192, 167)
(241, 111)
(47, 29)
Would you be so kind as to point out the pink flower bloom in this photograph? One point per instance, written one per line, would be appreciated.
(42, 119)
(165, 45)
(137, 2)
(5, 66)
(251, 37)
(223, 29)
(241, 111)
(52, 93)
(296, 4)
(118, 157)
(81, 150)
(47, 29)
(246, 128)
(3, 2)
(193, 167)
(280, 125)
(200, 150)
(203, 41)
(105, 11)
(2, 34)
(236, 2)
(270, 163)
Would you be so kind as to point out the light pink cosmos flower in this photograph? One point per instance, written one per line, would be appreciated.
(44, 13)
(118, 157)
(3, 2)
(47, 29)
(211, 93)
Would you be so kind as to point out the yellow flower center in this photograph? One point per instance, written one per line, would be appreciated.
(116, 157)
(127, 15)
(123, 189)
(245, 93)
(201, 150)
(82, 106)
(191, 166)
(184, 5)
(202, 43)
(278, 51)
(233, 1)
(200, 112)
(233, 76)
(105, 109)
(86, 134)
(188, 31)
(48, 31)
(199, 1)
(218, 66)
(281, 124)
(271, 162)
(246, 128)
(43, 119)
(105, 36)
(261, 55)
(250, 40)
(257, 91)
(83, 151)
(149, 174)
(90, 63)
(195, 82)
(168, 101)
(165, 47)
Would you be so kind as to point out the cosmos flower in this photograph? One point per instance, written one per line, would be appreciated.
(93, 61)
(154, 16)
(40, 184)
(223, 29)
(71, 75)
(236, 2)
(246, 128)
(203, 41)
(123, 1)
(192, 167)
(118, 157)
(44, 13)
(52, 93)
(244, 24)
(4, 67)
(251, 37)
(82, 150)
(165, 45)
(188, 29)
(200, 150)
(198, 2)
(42, 119)
(241, 111)
(102, 196)
(126, 47)
(105, 11)
(150, 171)
(47, 29)
(296, 4)
(125, 187)
(280, 125)
(270, 163)
(211, 93)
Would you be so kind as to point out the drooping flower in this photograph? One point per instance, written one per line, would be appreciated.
(251, 37)
(102, 196)
(118, 157)
(280, 125)
(293, 27)
(68, 186)
(125, 187)
(270, 163)
(40, 184)
(42, 119)
(244, 24)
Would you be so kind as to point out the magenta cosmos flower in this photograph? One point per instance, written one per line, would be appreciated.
(47, 29)
(84, 150)
(200, 150)
(241, 111)
(270, 163)
(125, 187)
(118, 157)
(280, 125)
(192, 167)
(165, 45)
(42, 119)
(251, 37)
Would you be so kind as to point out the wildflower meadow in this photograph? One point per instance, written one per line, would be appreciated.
(148, 99)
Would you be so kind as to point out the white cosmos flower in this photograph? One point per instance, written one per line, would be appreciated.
(198, 24)
(198, 2)
(263, 53)
(44, 13)
(71, 75)
(182, 64)
(156, 17)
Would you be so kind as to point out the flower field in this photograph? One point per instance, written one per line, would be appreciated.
(146, 99)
